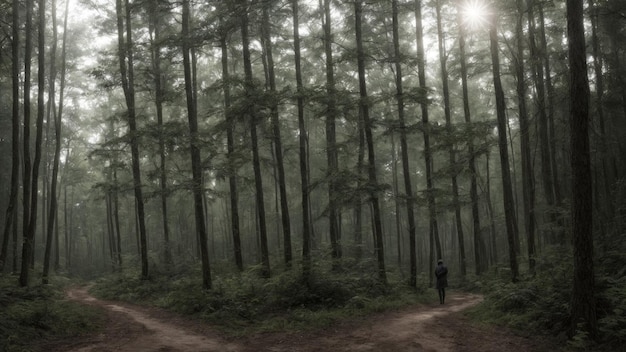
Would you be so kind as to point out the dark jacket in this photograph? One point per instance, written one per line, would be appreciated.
(441, 272)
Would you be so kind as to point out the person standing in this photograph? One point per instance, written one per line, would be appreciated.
(441, 272)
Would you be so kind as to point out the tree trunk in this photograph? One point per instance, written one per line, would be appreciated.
(258, 180)
(282, 184)
(304, 179)
(27, 242)
(528, 182)
(432, 206)
(128, 84)
(331, 139)
(57, 146)
(196, 162)
(507, 187)
(404, 149)
(480, 257)
(583, 308)
(452, 153)
(232, 171)
(15, 139)
(155, 24)
(367, 124)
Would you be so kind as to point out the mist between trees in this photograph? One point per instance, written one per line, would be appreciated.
(284, 133)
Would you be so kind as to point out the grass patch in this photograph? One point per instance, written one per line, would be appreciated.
(34, 314)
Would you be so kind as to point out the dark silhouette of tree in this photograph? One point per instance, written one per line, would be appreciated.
(583, 307)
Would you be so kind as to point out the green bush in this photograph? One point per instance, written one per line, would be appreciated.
(37, 313)
(241, 301)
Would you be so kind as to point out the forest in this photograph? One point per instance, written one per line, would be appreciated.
(246, 159)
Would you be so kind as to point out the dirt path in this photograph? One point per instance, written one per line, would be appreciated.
(438, 328)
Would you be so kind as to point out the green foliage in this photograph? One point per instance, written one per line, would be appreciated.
(37, 313)
(241, 303)
(541, 304)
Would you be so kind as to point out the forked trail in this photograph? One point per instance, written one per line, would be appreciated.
(427, 328)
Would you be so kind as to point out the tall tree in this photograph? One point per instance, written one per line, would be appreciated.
(278, 144)
(15, 137)
(52, 210)
(583, 308)
(452, 154)
(155, 13)
(27, 242)
(480, 257)
(196, 162)
(304, 179)
(125, 57)
(230, 145)
(430, 195)
(507, 187)
(331, 138)
(406, 170)
(250, 91)
(371, 157)
(528, 182)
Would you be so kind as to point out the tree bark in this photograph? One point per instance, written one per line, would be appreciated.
(528, 182)
(52, 211)
(27, 242)
(331, 138)
(404, 149)
(274, 116)
(258, 179)
(15, 139)
(196, 162)
(128, 84)
(371, 157)
(583, 308)
(304, 179)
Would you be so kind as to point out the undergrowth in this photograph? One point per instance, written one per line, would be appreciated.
(241, 303)
(540, 304)
(37, 313)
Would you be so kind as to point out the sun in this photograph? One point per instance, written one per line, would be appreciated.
(475, 13)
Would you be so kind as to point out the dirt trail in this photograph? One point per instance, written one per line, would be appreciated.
(137, 329)
(427, 328)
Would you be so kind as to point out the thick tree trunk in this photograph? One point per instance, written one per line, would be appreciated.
(583, 308)
(15, 140)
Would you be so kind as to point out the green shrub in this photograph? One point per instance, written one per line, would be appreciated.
(36, 313)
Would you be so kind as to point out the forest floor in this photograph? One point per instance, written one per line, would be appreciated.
(420, 328)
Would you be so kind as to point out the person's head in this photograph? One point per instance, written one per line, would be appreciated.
(440, 261)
